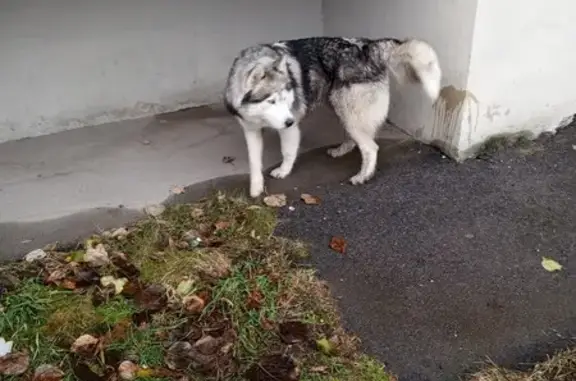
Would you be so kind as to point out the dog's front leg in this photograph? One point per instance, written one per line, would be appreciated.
(255, 144)
(289, 142)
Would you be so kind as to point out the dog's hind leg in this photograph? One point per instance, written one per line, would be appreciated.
(343, 149)
(289, 143)
(362, 109)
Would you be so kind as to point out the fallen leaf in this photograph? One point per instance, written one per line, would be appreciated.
(146, 373)
(5, 347)
(152, 298)
(118, 284)
(96, 256)
(48, 373)
(56, 276)
(338, 244)
(14, 364)
(309, 199)
(127, 370)
(185, 287)
(325, 346)
(85, 344)
(127, 269)
(86, 276)
(194, 304)
(207, 345)
(254, 301)
(275, 200)
(177, 356)
(120, 330)
(221, 225)
(551, 265)
(35, 255)
(177, 189)
(155, 210)
(68, 284)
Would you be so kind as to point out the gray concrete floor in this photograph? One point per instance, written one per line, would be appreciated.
(66, 185)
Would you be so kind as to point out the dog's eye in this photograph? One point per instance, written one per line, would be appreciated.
(272, 101)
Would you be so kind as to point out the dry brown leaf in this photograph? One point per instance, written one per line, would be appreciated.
(275, 200)
(56, 276)
(255, 299)
(84, 344)
(152, 298)
(194, 304)
(309, 199)
(221, 225)
(68, 284)
(338, 244)
(48, 373)
(14, 364)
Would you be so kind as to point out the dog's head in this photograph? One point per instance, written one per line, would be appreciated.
(270, 99)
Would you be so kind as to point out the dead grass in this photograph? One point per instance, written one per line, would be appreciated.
(209, 275)
(560, 367)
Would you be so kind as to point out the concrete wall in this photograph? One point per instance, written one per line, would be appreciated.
(71, 63)
(521, 71)
(447, 24)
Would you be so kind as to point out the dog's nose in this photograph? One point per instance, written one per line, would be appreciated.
(289, 122)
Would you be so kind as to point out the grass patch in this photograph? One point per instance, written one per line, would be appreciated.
(560, 367)
(204, 291)
(521, 142)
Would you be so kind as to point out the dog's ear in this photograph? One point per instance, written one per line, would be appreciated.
(255, 75)
(279, 64)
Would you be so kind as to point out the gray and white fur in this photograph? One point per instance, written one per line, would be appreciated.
(277, 85)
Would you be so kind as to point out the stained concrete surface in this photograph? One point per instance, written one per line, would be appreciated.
(64, 186)
(442, 269)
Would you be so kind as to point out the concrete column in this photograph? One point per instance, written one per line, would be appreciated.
(507, 65)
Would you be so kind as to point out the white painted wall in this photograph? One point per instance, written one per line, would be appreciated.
(446, 24)
(521, 70)
(70, 63)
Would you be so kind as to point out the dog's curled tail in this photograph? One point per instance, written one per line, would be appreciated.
(415, 61)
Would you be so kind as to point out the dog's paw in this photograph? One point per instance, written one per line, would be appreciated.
(280, 173)
(335, 152)
(256, 187)
(359, 179)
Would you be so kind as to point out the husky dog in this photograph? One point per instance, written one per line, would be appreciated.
(276, 85)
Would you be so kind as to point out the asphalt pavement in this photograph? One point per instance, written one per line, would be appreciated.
(442, 269)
